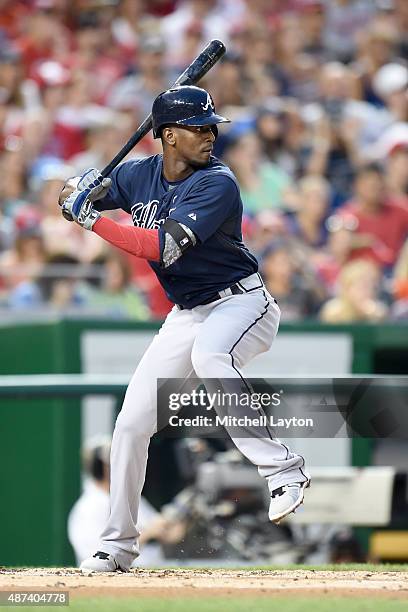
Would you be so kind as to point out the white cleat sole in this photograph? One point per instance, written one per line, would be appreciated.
(278, 517)
(99, 564)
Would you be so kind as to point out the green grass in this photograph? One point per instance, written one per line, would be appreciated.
(244, 604)
(339, 567)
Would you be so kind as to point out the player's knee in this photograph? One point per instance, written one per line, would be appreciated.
(207, 364)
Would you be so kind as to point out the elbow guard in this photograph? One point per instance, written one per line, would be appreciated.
(177, 239)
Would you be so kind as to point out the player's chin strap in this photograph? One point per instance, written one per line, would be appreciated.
(177, 239)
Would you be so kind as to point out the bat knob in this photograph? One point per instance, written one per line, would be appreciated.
(67, 215)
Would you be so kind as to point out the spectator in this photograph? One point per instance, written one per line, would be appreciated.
(12, 15)
(262, 78)
(401, 26)
(392, 139)
(139, 90)
(313, 18)
(59, 284)
(209, 14)
(391, 84)
(329, 261)
(14, 188)
(399, 308)
(104, 135)
(97, 54)
(6, 236)
(116, 297)
(130, 25)
(376, 47)
(271, 125)
(396, 174)
(23, 263)
(357, 295)
(262, 183)
(280, 130)
(299, 71)
(382, 223)
(296, 296)
(11, 72)
(45, 35)
(88, 515)
(307, 223)
(265, 227)
(227, 83)
(333, 149)
(46, 129)
(345, 20)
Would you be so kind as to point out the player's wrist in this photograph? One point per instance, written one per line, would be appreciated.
(90, 220)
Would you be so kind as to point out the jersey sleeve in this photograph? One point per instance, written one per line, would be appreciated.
(208, 204)
(120, 192)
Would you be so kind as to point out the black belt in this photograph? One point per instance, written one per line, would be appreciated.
(235, 290)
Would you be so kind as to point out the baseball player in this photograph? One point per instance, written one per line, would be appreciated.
(186, 210)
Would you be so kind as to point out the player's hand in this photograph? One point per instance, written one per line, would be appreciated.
(93, 187)
(69, 186)
(78, 206)
(93, 182)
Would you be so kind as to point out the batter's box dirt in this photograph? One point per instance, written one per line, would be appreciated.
(209, 582)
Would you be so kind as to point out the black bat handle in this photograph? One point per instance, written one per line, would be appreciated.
(141, 131)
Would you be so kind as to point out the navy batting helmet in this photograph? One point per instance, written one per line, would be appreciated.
(184, 105)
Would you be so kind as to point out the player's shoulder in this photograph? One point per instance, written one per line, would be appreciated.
(142, 164)
(218, 168)
(217, 173)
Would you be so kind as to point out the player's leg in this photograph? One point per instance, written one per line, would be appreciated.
(168, 356)
(232, 333)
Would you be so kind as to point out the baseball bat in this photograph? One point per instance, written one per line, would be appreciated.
(196, 70)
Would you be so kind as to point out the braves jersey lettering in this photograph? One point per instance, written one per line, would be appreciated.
(207, 202)
(144, 215)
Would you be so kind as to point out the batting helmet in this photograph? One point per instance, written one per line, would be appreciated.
(184, 105)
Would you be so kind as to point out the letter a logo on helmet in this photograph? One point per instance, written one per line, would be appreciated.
(184, 105)
(208, 104)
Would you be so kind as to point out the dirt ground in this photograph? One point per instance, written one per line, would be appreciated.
(208, 582)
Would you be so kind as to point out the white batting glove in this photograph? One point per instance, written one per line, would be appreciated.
(77, 206)
(93, 181)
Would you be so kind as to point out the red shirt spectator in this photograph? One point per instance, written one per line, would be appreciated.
(388, 227)
(382, 222)
(12, 15)
(45, 38)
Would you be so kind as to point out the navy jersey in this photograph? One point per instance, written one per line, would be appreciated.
(208, 202)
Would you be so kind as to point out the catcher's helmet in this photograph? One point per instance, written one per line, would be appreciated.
(184, 105)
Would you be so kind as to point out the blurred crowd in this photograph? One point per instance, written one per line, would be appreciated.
(317, 91)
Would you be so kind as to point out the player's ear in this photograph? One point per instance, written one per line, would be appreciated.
(169, 135)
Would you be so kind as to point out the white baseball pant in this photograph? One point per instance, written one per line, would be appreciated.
(211, 341)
